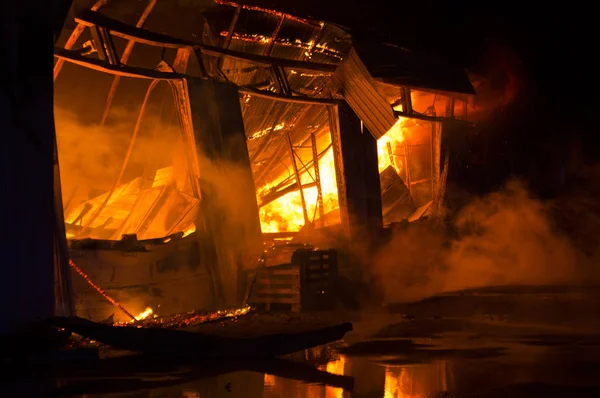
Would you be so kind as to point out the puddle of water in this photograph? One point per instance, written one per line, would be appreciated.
(532, 371)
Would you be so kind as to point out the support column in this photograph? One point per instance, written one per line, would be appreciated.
(358, 184)
(228, 191)
(27, 220)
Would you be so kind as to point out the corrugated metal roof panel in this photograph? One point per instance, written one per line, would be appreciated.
(357, 86)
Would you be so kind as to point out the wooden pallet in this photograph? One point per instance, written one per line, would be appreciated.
(318, 274)
(278, 284)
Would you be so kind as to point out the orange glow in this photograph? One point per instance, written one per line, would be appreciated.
(336, 368)
(398, 385)
(189, 231)
(128, 209)
(415, 381)
(285, 214)
(392, 140)
(269, 380)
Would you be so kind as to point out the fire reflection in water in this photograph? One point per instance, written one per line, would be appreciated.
(415, 381)
(337, 368)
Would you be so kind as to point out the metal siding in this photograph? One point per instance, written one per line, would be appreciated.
(358, 88)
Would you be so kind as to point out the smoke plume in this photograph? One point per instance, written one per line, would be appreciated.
(505, 238)
(91, 156)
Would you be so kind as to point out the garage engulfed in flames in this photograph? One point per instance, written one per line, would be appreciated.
(256, 121)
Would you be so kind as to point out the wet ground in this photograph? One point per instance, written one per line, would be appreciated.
(494, 342)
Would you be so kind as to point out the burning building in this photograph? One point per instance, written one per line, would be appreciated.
(250, 125)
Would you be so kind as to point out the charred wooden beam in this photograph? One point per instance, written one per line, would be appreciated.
(123, 71)
(282, 81)
(231, 29)
(120, 29)
(267, 11)
(296, 99)
(181, 60)
(273, 37)
(74, 37)
(418, 116)
(104, 45)
(141, 73)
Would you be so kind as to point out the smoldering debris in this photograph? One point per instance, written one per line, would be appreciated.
(505, 238)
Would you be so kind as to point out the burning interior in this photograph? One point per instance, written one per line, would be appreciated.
(181, 154)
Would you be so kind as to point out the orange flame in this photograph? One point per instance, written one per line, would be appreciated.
(390, 148)
(285, 214)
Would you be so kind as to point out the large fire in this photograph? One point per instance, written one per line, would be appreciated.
(391, 149)
(285, 214)
(150, 210)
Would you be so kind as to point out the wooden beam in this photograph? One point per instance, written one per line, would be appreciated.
(141, 73)
(283, 98)
(267, 11)
(120, 29)
(74, 37)
(123, 71)
(231, 29)
(419, 116)
(273, 38)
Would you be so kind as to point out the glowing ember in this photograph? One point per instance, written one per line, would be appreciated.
(189, 318)
(100, 290)
(144, 314)
(266, 131)
(285, 214)
(390, 148)
(189, 231)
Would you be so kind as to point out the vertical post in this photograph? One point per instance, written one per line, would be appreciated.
(62, 272)
(357, 152)
(297, 175)
(27, 212)
(230, 207)
(315, 154)
(407, 160)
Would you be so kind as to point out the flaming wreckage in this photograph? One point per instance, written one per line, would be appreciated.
(275, 128)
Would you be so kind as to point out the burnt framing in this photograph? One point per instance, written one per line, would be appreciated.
(178, 82)
(110, 62)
